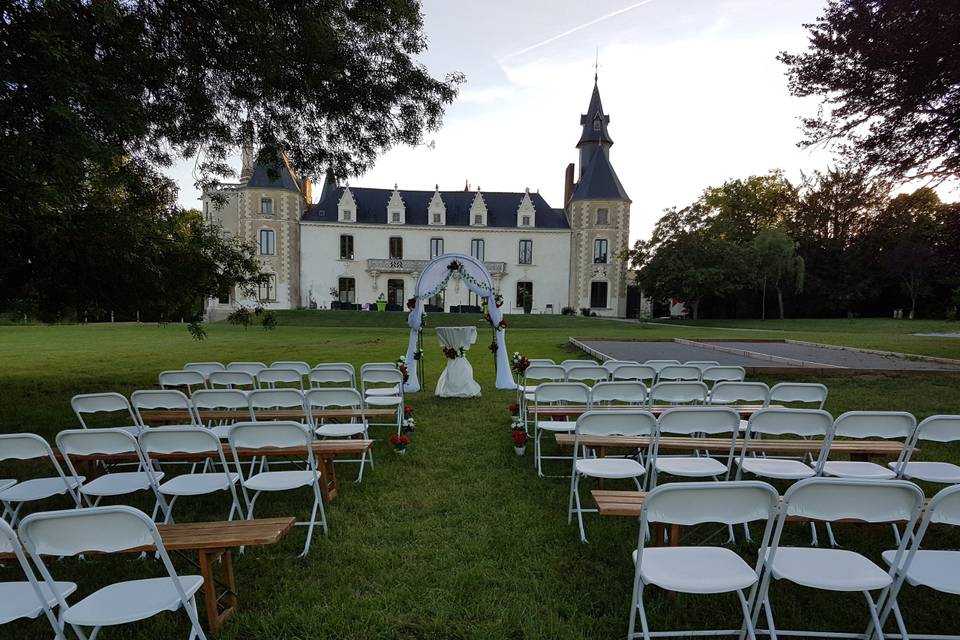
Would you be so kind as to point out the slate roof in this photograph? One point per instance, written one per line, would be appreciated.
(282, 177)
(372, 207)
(594, 111)
(599, 181)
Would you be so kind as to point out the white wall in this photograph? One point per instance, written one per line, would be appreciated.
(320, 266)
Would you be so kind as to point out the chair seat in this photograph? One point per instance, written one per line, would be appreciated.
(340, 430)
(830, 569)
(851, 469)
(383, 401)
(281, 480)
(115, 484)
(609, 468)
(938, 570)
(939, 472)
(691, 467)
(195, 484)
(39, 489)
(558, 426)
(6, 483)
(382, 391)
(19, 600)
(780, 469)
(131, 600)
(695, 569)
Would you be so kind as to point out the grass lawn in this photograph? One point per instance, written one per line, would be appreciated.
(457, 539)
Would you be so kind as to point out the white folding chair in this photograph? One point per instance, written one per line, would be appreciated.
(86, 404)
(570, 364)
(299, 366)
(224, 400)
(703, 365)
(701, 569)
(627, 392)
(870, 424)
(277, 399)
(340, 365)
(611, 365)
(347, 398)
(732, 393)
(555, 393)
(110, 530)
(588, 374)
(166, 400)
(176, 379)
(161, 441)
(340, 376)
(539, 361)
(799, 392)
(678, 393)
(99, 442)
(232, 380)
(536, 373)
(678, 373)
(28, 446)
(837, 570)
(206, 368)
(608, 424)
(30, 598)
(713, 375)
(690, 421)
(383, 388)
(270, 378)
(279, 435)
(660, 364)
(253, 368)
(932, 429)
(639, 372)
(931, 568)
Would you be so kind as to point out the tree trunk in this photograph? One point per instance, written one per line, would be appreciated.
(695, 306)
(780, 301)
(763, 298)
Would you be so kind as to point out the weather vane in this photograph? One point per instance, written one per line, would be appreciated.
(596, 63)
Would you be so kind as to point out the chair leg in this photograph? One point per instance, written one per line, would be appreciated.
(746, 615)
(874, 617)
(169, 517)
(573, 479)
(899, 619)
(637, 609)
(833, 541)
(196, 631)
(576, 497)
(813, 534)
(769, 615)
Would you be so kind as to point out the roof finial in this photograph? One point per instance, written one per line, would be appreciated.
(596, 64)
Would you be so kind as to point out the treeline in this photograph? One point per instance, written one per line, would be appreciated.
(837, 244)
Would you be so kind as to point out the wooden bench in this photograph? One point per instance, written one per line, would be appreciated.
(324, 450)
(179, 416)
(574, 410)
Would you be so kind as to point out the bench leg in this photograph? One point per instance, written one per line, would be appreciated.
(328, 478)
(217, 616)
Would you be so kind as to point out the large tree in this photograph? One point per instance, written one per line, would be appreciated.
(778, 264)
(109, 93)
(887, 73)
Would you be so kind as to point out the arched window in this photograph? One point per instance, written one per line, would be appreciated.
(268, 245)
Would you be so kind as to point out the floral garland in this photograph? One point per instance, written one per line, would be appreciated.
(418, 354)
(452, 353)
(494, 347)
(456, 267)
(519, 362)
(402, 366)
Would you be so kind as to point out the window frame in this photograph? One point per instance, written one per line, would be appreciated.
(528, 254)
(272, 235)
(266, 214)
(348, 291)
(436, 243)
(482, 245)
(392, 289)
(271, 288)
(350, 255)
(606, 216)
(390, 252)
(521, 295)
(606, 290)
(598, 245)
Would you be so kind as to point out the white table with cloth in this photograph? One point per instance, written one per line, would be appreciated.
(457, 381)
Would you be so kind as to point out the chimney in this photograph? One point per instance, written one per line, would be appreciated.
(307, 190)
(568, 184)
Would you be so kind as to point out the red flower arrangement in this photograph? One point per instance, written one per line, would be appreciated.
(519, 437)
(407, 411)
(399, 442)
(403, 370)
(519, 363)
(502, 324)
(411, 303)
(514, 409)
(452, 353)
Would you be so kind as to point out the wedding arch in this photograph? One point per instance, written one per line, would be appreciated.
(432, 281)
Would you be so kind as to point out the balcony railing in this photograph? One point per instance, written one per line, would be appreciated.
(397, 265)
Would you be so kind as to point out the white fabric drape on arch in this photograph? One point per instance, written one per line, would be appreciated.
(432, 280)
(457, 381)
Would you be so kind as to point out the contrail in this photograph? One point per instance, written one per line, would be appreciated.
(580, 27)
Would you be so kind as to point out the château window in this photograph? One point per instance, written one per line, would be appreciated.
(266, 206)
(267, 290)
(396, 248)
(598, 295)
(478, 219)
(600, 251)
(477, 249)
(603, 216)
(346, 247)
(436, 218)
(267, 242)
(526, 252)
(525, 221)
(395, 292)
(395, 217)
(347, 290)
(347, 215)
(436, 247)
(596, 123)
(524, 294)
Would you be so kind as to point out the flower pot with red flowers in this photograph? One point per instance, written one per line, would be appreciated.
(519, 436)
(400, 443)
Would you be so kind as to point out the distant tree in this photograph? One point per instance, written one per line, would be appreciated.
(741, 208)
(887, 73)
(778, 264)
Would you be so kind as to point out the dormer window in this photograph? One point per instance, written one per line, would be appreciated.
(596, 124)
(525, 221)
(395, 217)
(347, 215)
(478, 211)
(266, 206)
(436, 218)
(478, 219)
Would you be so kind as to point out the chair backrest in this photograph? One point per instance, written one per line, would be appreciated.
(30, 446)
(723, 374)
(939, 429)
(660, 364)
(381, 376)
(253, 368)
(220, 399)
(297, 365)
(639, 372)
(875, 424)
(268, 435)
(569, 364)
(703, 365)
(616, 422)
(231, 379)
(678, 372)
(91, 442)
(167, 399)
(270, 377)
(944, 507)
(333, 397)
(179, 439)
(108, 402)
(538, 361)
(331, 375)
(336, 365)
(679, 392)
(690, 420)
(275, 399)
(808, 392)
(806, 423)
(692, 503)
(831, 499)
(382, 366)
(592, 372)
(184, 378)
(611, 365)
(562, 392)
(10, 543)
(206, 368)
(552, 372)
(733, 392)
(622, 391)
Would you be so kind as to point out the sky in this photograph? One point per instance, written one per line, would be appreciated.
(693, 89)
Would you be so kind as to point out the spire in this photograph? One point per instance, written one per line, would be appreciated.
(595, 121)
